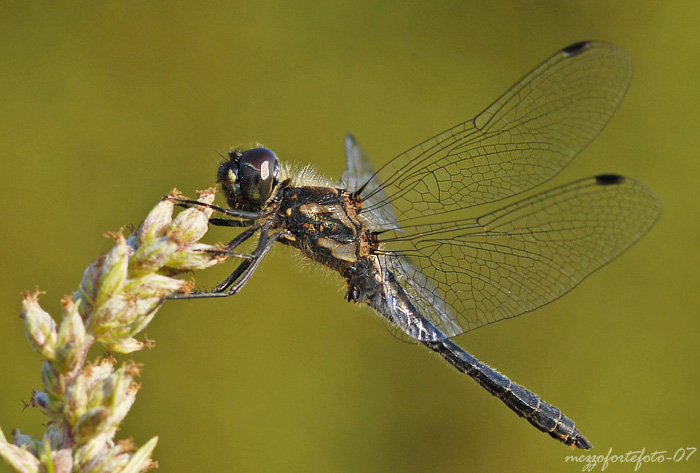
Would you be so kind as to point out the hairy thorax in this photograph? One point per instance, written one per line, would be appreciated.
(324, 224)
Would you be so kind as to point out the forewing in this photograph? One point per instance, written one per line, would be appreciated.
(522, 256)
(358, 170)
(522, 140)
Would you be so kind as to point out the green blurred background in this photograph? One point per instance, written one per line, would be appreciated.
(108, 105)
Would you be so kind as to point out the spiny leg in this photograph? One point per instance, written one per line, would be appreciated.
(234, 213)
(243, 272)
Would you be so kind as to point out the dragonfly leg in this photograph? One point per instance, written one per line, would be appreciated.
(233, 213)
(243, 272)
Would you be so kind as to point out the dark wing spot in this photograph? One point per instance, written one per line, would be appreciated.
(576, 48)
(609, 179)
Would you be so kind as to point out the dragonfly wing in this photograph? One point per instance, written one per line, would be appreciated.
(522, 140)
(425, 296)
(473, 272)
(358, 170)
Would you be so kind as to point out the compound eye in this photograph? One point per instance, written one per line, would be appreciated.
(257, 173)
(228, 175)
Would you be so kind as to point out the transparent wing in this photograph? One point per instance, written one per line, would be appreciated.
(358, 170)
(469, 273)
(522, 140)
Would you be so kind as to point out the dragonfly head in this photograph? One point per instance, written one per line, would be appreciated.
(249, 177)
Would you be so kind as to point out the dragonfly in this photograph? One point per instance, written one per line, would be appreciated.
(416, 239)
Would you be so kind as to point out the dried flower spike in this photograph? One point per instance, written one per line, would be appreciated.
(117, 298)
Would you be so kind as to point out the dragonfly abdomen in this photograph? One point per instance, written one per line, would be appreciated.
(540, 414)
